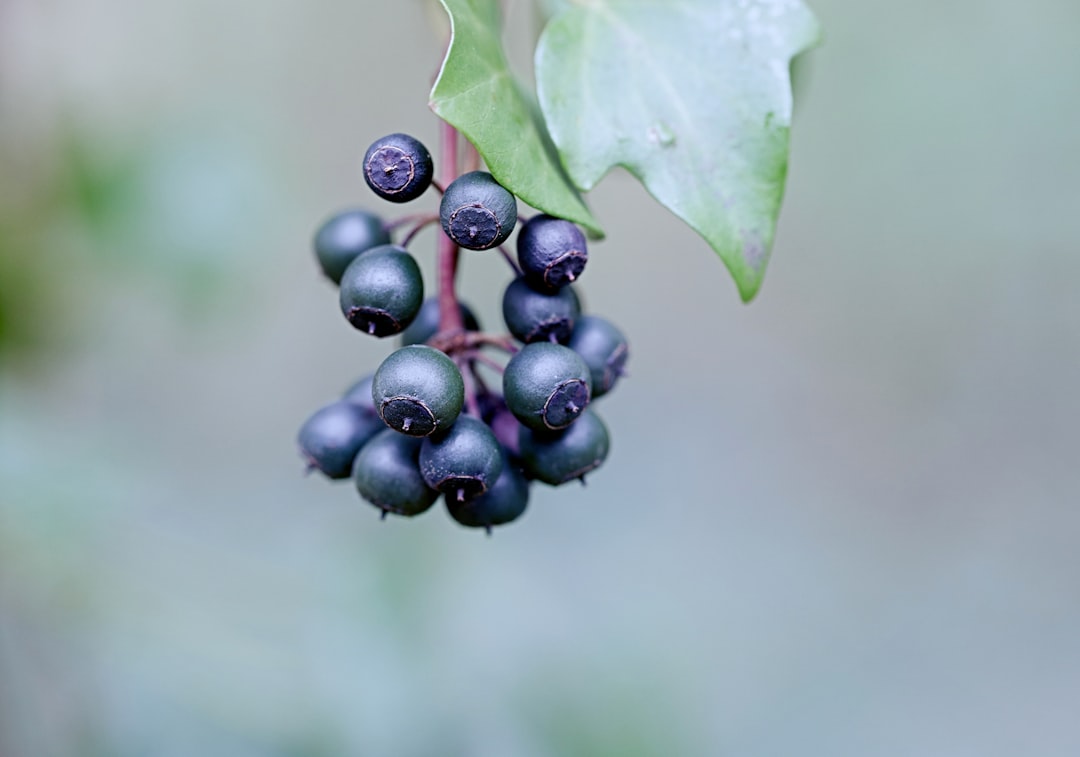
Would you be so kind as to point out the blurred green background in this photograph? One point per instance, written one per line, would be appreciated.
(842, 520)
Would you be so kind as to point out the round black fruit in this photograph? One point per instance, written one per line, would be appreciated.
(387, 474)
(551, 252)
(546, 386)
(330, 439)
(462, 462)
(344, 236)
(603, 348)
(398, 168)
(556, 457)
(382, 290)
(505, 501)
(426, 323)
(418, 390)
(477, 212)
(534, 316)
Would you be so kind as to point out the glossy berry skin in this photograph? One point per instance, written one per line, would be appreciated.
(551, 251)
(381, 291)
(426, 323)
(504, 502)
(344, 236)
(534, 316)
(398, 168)
(387, 474)
(603, 348)
(477, 212)
(462, 462)
(330, 439)
(418, 390)
(556, 457)
(546, 386)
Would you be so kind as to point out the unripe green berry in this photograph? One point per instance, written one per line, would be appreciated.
(551, 251)
(344, 236)
(546, 386)
(462, 462)
(477, 212)
(387, 474)
(360, 394)
(534, 316)
(331, 437)
(382, 290)
(603, 348)
(556, 457)
(418, 390)
(505, 501)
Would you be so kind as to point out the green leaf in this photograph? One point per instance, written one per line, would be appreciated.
(477, 93)
(691, 96)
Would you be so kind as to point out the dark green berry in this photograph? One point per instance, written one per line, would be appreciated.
(551, 252)
(499, 419)
(534, 316)
(556, 457)
(344, 236)
(477, 212)
(382, 290)
(398, 168)
(387, 474)
(418, 390)
(360, 394)
(426, 323)
(546, 386)
(462, 462)
(505, 501)
(330, 439)
(603, 348)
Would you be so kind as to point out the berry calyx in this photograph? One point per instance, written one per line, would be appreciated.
(462, 462)
(603, 348)
(551, 252)
(546, 386)
(534, 316)
(381, 291)
(344, 236)
(387, 474)
(477, 212)
(556, 457)
(331, 437)
(398, 167)
(418, 390)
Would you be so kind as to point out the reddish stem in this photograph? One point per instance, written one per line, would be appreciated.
(509, 259)
(485, 360)
(397, 223)
(423, 223)
(450, 320)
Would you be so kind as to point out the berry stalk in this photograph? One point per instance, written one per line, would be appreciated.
(450, 320)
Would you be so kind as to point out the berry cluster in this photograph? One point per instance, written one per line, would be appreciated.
(429, 421)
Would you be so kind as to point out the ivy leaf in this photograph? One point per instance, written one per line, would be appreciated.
(691, 96)
(476, 93)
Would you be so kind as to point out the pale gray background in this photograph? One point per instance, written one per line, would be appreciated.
(840, 521)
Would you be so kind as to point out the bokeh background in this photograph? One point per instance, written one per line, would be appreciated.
(842, 520)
